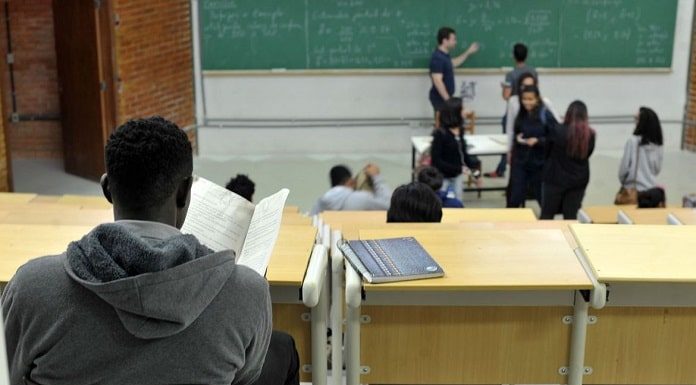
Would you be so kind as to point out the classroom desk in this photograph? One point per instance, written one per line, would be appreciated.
(478, 145)
(563, 226)
(285, 275)
(350, 221)
(645, 334)
(636, 216)
(51, 215)
(12, 198)
(496, 317)
(85, 201)
(683, 216)
(600, 214)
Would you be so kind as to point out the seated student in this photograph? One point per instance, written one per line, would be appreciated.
(642, 159)
(343, 196)
(431, 177)
(414, 202)
(136, 301)
(242, 186)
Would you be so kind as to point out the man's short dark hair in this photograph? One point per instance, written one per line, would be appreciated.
(242, 186)
(414, 202)
(146, 160)
(444, 33)
(431, 177)
(339, 175)
(519, 51)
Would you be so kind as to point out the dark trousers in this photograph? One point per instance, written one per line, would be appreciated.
(556, 199)
(502, 165)
(282, 365)
(523, 177)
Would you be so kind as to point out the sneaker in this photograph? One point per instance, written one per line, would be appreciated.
(493, 174)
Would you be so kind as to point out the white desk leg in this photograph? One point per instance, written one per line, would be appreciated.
(576, 368)
(353, 302)
(336, 309)
(623, 218)
(672, 220)
(315, 295)
(583, 217)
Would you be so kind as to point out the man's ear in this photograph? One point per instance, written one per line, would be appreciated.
(105, 188)
(183, 193)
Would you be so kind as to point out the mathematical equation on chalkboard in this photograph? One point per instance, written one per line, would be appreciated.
(241, 34)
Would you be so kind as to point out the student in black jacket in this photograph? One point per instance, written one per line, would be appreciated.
(567, 168)
(532, 125)
(448, 149)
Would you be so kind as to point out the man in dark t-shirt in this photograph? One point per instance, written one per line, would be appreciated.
(442, 67)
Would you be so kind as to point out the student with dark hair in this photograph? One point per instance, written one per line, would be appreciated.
(242, 186)
(442, 67)
(414, 202)
(567, 167)
(448, 149)
(431, 177)
(344, 196)
(532, 125)
(642, 158)
(137, 301)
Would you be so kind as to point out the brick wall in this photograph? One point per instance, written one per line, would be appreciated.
(35, 75)
(154, 59)
(689, 142)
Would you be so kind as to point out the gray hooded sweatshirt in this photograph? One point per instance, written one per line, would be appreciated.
(136, 303)
(345, 198)
(649, 163)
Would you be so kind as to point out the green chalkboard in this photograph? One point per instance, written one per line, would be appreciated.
(384, 34)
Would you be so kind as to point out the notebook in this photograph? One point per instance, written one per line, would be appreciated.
(391, 260)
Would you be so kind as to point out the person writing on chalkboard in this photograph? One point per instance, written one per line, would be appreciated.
(511, 87)
(442, 67)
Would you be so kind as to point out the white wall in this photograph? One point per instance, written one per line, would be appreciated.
(402, 96)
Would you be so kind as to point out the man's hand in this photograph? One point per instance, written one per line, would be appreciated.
(531, 142)
(372, 170)
(473, 48)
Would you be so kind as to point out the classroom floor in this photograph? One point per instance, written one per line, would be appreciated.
(307, 176)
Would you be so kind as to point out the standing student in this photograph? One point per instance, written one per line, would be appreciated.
(448, 148)
(136, 301)
(532, 125)
(442, 67)
(344, 196)
(431, 177)
(642, 159)
(511, 87)
(414, 202)
(567, 167)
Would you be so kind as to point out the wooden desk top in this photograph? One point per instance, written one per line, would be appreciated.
(686, 216)
(20, 243)
(10, 198)
(487, 215)
(563, 226)
(492, 260)
(648, 253)
(295, 219)
(604, 214)
(52, 215)
(657, 216)
(290, 256)
(352, 231)
(85, 201)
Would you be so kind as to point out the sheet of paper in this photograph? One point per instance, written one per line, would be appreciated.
(217, 217)
(263, 232)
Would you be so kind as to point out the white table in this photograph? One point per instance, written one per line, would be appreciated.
(479, 145)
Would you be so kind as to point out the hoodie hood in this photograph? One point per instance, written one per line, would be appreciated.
(335, 198)
(157, 280)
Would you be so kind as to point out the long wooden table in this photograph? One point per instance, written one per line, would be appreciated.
(645, 334)
(684, 216)
(602, 214)
(496, 317)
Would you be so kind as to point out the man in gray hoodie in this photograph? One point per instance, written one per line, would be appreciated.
(343, 195)
(136, 301)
